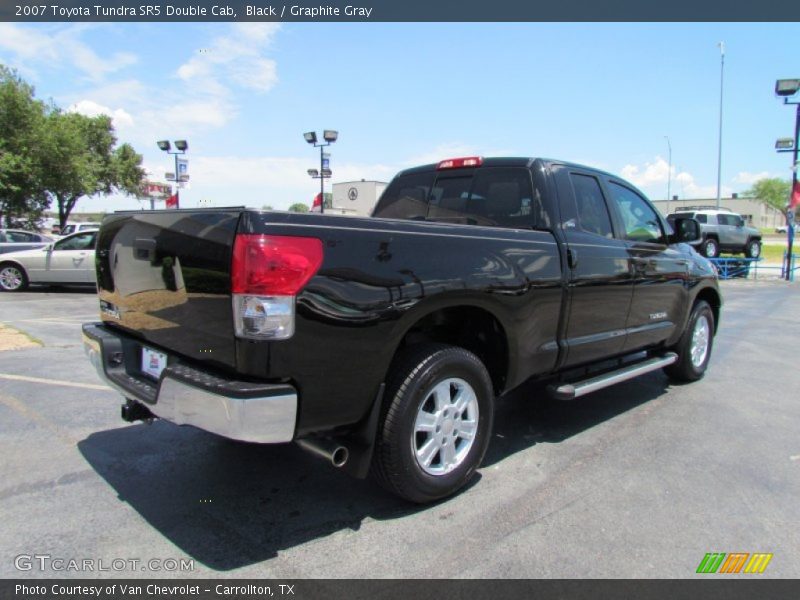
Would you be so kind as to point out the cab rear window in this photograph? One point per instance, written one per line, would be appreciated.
(489, 197)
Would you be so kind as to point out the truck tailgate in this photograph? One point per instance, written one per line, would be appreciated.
(165, 278)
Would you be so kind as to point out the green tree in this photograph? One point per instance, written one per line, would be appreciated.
(48, 155)
(299, 207)
(80, 159)
(774, 191)
(22, 197)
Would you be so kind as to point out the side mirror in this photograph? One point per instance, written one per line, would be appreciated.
(685, 230)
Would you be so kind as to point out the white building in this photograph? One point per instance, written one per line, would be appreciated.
(356, 198)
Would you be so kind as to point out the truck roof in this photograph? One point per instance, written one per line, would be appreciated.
(509, 161)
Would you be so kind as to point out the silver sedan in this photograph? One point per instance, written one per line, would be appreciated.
(70, 260)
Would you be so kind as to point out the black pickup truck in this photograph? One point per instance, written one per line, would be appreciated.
(381, 343)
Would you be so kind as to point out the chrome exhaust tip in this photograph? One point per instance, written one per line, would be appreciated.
(329, 450)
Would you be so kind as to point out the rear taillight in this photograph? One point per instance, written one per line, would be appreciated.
(460, 163)
(267, 272)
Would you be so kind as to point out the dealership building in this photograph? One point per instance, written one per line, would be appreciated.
(356, 198)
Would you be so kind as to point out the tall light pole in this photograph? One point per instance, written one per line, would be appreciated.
(787, 88)
(330, 136)
(669, 173)
(719, 150)
(181, 146)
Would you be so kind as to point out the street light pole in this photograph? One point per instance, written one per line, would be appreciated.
(322, 178)
(181, 147)
(719, 150)
(790, 226)
(330, 136)
(669, 173)
(786, 88)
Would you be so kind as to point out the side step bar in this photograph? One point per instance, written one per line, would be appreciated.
(570, 391)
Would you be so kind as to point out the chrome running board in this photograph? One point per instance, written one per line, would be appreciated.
(570, 391)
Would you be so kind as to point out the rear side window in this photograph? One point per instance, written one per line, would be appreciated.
(732, 220)
(591, 207)
(406, 197)
(701, 218)
(20, 236)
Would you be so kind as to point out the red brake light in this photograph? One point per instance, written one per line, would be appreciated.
(458, 163)
(273, 265)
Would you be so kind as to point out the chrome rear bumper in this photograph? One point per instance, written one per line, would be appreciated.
(239, 410)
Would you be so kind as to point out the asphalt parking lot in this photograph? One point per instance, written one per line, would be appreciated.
(639, 480)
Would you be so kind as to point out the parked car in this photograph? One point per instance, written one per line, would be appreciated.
(13, 240)
(70, 260)
(70, 228)
(381, 343)
(782, 229)
(722, 231)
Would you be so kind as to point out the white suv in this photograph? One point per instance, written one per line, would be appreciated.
(722, 231)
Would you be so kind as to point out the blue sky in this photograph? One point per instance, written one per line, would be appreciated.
(403, 94)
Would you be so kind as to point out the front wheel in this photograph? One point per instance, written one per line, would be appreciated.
(753, 249)
(437, 423)
(12, 278)
(710, 248)
(694, 347)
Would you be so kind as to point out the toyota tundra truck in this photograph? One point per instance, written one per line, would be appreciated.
(382, 343)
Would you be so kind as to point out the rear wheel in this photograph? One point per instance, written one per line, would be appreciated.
(710, 248)
(753, 249)
(13, 278)
(694, 347)
(437, 423)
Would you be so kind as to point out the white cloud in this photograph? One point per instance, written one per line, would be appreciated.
(647, 175)
(652, 179)
(236, 58)
(210, 112)
(119, 116)
(59, 45)
(746, 178)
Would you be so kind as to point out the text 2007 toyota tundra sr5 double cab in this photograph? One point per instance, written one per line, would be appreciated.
(381, 343)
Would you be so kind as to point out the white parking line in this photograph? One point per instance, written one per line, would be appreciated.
(74, 319)
(50, 322)
(86, 386)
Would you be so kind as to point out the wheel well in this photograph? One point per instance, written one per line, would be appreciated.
(713, 299)
(4, 263)
(468, 327)
(711, 236)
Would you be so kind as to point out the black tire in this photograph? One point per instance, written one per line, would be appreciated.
(753, 249)
(13, 278)
(710, 248)
(688, 367)
(410, 391)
